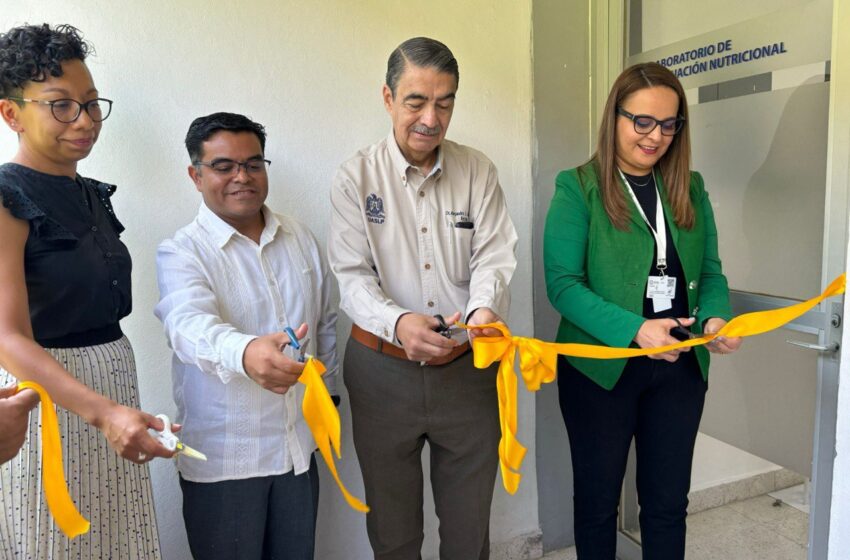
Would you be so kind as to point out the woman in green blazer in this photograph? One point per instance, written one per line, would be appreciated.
(630, 251)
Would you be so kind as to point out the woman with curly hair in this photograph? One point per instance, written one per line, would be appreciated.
(66, 285)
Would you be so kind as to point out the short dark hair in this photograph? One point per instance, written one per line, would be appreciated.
(203, 128)
(424, 53)
(31, 53)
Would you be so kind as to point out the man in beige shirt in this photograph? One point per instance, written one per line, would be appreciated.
(421, 238)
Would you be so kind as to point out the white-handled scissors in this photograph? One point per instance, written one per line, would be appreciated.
(171, 442)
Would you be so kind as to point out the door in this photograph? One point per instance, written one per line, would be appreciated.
(757, 79)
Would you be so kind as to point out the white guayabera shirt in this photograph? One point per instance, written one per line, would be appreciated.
(218, 291)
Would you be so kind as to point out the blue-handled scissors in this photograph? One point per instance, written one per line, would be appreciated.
(301, 346)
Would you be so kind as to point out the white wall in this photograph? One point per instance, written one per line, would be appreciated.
(312, 73)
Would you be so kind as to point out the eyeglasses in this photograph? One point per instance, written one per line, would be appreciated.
(69, 110)
(230, 167)
(644, 124)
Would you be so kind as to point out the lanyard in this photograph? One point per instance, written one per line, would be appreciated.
(660, 233)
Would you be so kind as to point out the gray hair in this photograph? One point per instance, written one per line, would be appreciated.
(424, 53)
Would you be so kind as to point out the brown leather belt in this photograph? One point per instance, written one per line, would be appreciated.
(378, 344)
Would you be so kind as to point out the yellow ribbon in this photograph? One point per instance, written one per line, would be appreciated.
(538, 363)
(322, 418)
(59, 501)
(319, 413)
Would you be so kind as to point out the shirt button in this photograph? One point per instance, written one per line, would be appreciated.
(430, 304)
(421, 193)
(108, 254)
(115, 282)
(94, 228)
(424, 230)
(692, 285)
(427, 266)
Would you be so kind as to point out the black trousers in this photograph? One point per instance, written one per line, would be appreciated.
(261, 518)
(657, 403)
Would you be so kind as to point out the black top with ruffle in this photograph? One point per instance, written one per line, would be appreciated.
(77, 269)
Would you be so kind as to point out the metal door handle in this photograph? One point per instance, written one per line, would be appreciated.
(832, 348)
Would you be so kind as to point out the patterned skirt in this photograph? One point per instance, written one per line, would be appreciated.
(113, 494)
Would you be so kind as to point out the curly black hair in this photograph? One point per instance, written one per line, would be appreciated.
(31, 53)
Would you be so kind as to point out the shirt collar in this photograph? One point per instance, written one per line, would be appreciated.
(402, 165)
(222, 232)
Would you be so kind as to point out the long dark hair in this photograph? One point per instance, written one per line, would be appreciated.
(674, 165)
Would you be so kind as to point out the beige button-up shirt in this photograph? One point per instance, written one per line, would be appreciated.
(401, 241)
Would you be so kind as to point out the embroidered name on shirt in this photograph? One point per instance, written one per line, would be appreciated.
(455, 217)
(375, 209)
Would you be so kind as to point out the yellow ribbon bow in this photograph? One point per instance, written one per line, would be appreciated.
(322, 418)
(62, 508)
(538, 363)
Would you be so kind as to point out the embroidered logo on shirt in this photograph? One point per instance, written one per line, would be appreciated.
(375, 209)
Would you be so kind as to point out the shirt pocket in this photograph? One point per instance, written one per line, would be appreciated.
(457, 248)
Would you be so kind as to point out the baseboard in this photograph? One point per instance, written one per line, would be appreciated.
(524, 547)
(743, 489)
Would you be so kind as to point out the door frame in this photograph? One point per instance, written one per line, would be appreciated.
(609, 35)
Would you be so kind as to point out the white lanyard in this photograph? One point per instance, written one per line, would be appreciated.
(660, 233)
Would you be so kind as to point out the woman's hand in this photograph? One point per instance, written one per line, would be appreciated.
(126, 430)
(721, 344)
(14, 419)
(654, 333)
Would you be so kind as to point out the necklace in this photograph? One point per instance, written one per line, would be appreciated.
(635, 183)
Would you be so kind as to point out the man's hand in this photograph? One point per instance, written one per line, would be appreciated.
(656, 332)
(419, 339)
(482, 316)
(268, 366)
(721, 344)
(14, 419)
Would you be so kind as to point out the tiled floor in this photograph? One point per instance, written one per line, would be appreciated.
(752, 529)
(566, 554)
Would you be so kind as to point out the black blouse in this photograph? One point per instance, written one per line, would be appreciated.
(77, 270)
(647, 194)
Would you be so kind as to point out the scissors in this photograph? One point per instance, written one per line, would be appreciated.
(303, 356)
(171, 442)
(444, 329)
(681, 332)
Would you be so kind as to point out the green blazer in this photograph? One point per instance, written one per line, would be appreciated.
(596, 274)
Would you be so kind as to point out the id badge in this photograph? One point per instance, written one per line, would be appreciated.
(661, 290)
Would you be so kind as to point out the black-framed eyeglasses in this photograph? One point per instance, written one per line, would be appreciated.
(644, 124)
(69, 110)
(231, 167)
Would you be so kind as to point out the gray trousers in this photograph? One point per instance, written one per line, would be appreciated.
(398, 405)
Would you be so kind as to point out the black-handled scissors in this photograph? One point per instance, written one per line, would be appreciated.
(443, 328)
(680, 332)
